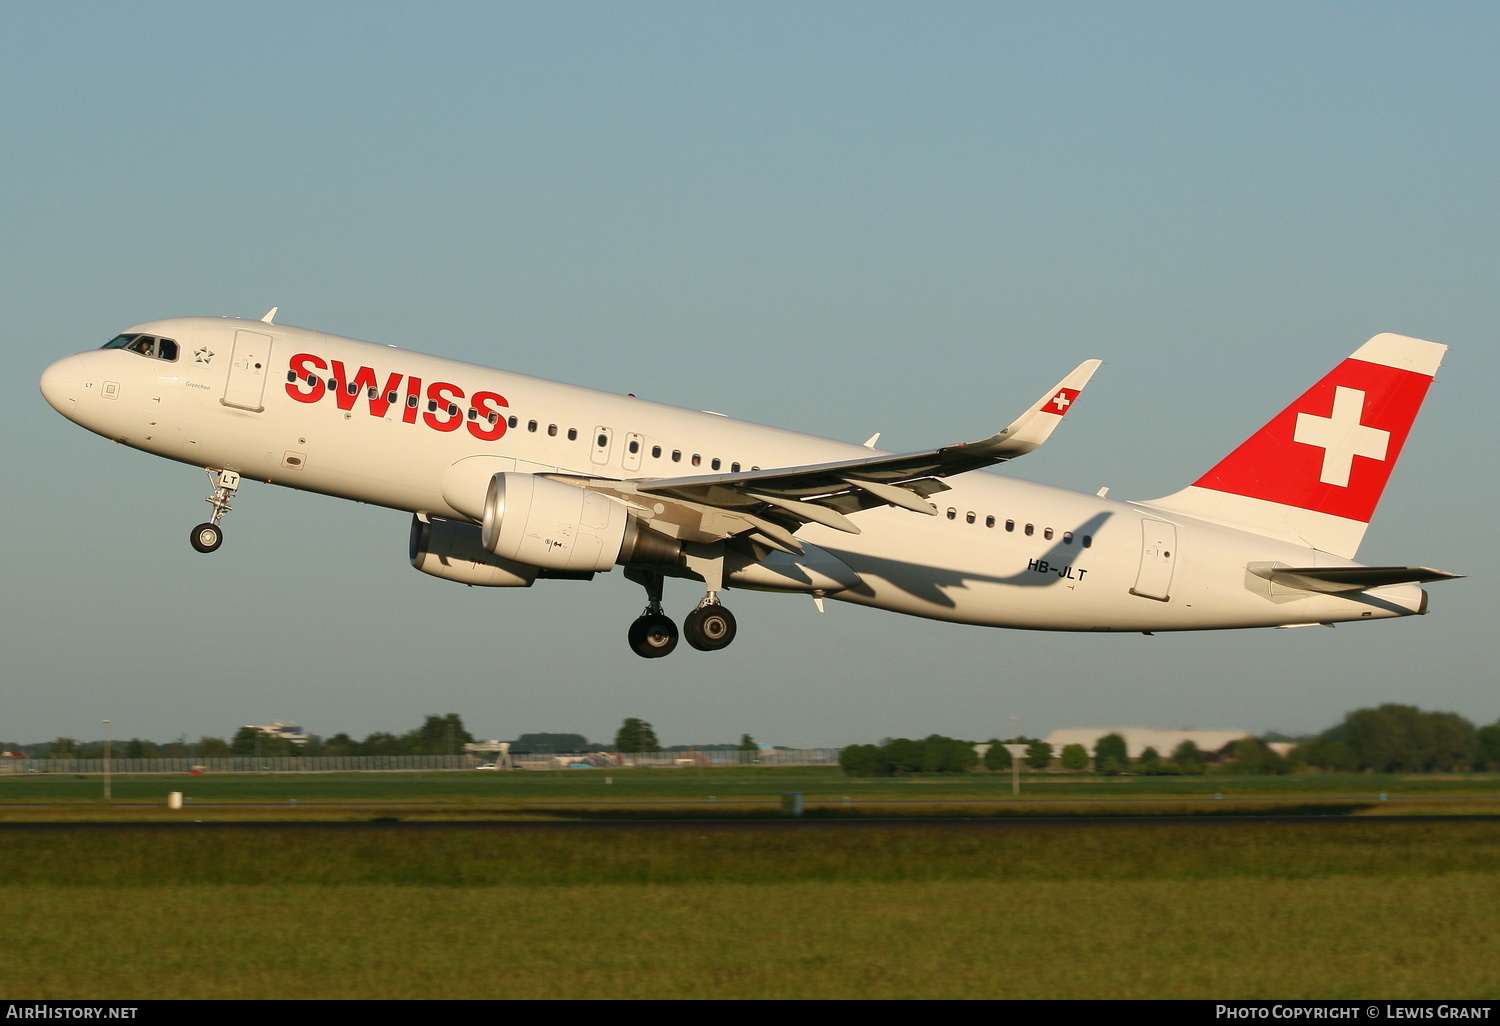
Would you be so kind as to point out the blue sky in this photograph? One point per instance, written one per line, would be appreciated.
(838, 217)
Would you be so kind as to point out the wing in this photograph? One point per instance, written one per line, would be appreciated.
(770, 505)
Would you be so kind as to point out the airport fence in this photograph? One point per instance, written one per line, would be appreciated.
(418, 763)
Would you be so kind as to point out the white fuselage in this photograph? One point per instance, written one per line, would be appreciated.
(1001, 552)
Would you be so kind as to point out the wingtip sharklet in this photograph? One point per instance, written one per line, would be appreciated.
(1036, 425)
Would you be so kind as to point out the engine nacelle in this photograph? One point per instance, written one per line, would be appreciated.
(454, 551)
(556, 526)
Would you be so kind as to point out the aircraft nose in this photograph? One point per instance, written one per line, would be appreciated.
(61, 384)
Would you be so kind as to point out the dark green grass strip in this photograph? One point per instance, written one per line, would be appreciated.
(454, 856)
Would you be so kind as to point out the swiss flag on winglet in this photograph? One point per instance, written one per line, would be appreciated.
(1333, 449)
(1061, 401)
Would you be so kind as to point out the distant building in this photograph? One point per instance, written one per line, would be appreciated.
(287, 731)
(1138, 739)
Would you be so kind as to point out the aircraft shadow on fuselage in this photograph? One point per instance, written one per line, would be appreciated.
(931, 584)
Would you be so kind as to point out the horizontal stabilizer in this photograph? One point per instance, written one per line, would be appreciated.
(1333, 579)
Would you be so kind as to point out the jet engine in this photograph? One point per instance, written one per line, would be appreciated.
(548, 524)
(453, 551)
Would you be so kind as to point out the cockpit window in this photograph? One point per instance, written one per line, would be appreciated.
(146, 345)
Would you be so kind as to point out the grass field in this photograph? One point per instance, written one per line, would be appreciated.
(1217, 909)
(726, 792)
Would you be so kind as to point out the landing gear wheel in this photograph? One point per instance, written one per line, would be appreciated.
(709, 628)
(207, 537)
(653, 635)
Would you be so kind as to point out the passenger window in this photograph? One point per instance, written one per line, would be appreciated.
(552, 430)
(970, 517)
(354, 389)
(715, 464)
(697, 459)
(1067, 537)
(572, 434)
(1010, 525)
(1047, 534)
(512, 421)
(372, 393)
(989, 521)
(531, 426)
(656, 452)
(291, 377)
(1030, 530)
(411, 400)
(734, 468)
(1088, 541)
(493, 417)
(390, 397)
(432, 406)
(453, 409)
(473, 413)
(952, 513)
(676, 455)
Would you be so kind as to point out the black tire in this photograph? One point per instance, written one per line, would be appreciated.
(206, 537)
(709, 628)
(653, 636)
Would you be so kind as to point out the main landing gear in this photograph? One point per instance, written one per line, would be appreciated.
(652, 635)
(208, 537)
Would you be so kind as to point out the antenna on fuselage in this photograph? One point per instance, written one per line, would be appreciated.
(270, 317)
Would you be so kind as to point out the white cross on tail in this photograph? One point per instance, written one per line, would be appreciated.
(1342, 436)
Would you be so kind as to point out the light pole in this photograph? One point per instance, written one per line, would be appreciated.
(106, 760)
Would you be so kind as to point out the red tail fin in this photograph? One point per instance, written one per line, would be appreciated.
(1329, 453)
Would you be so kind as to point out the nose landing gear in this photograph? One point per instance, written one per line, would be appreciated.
(209, 536)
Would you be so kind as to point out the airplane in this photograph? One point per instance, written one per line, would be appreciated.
(512, 479)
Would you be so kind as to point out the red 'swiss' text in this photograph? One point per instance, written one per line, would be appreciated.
(439, 405)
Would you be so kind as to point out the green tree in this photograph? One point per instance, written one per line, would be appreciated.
(1111, 757)
(1488, 739)
(1187, 759)
(63, 748)
(947, 755)
(135, 748)
(903, 754)
(1150, 763)
(1252, 756)
(381, 742)
(438, 735)
(212, 748)
(1394, 738)
(1039, 755)
(997, 759)
(747, 744)
(1075, 757)
(864, 761)
(1323, 753)
(636, 735)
